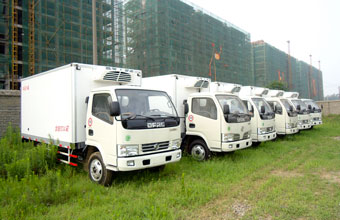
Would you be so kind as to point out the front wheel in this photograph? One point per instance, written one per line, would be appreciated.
(97, 170)
(199, 150)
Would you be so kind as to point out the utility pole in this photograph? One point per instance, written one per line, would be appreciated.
(290, 68)
(94, 33)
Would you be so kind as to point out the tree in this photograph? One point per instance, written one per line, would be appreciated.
(277, 85)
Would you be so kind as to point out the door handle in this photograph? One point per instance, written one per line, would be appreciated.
(191, 125)
(90, 132)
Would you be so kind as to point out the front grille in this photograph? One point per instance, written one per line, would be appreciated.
(316, 119)
(236, 137)
(155, 146)
(305, 122)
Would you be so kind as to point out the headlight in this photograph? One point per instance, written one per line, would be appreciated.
(290, 125)
(230, 137)
(127, 150)
(300, 123)
(176, 144)
(261, 130)
(246, 135)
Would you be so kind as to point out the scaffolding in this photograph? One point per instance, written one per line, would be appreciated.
(272, 64)
(45, 34)
(177, 37)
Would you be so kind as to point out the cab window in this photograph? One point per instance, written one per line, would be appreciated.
(204, 107)
(101, 107)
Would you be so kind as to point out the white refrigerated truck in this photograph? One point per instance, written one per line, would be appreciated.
(315, 111)
(100, 116)
(213, 120)
(286, 118)
(263, 117)
(304, 117)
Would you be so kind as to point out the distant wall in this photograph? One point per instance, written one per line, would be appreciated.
(330, 107)
(9, 109)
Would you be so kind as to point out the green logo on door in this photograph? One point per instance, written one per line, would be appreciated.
(127, 138)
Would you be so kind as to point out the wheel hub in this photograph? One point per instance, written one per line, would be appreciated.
(96, 170)
(198, 152)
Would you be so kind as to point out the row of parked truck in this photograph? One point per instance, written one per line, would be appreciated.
(112, 119)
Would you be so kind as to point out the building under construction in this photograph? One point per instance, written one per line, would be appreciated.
(37, 35)
(158, 37)
(272, 64)
(177, 37)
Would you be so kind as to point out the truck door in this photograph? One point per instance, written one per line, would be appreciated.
(203, 120)
(254, 123)
(100, 129)
(280, 117)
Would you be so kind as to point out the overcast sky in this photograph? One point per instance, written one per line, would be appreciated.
(312, 26)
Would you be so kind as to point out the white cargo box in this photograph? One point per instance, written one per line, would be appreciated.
(253, 91)
(53, 102)
(225, 87)
(178, 87)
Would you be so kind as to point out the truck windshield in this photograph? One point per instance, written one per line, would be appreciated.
(286, 104)
(261, 102)
(144, 103)
(315, 107)
(297, 102)
(236, 106)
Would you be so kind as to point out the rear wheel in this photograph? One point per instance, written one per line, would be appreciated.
(199, 150)
(97, 170)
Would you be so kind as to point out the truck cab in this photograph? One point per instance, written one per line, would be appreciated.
(213, 121)
(304, 117)
(262, 115)
(286, 119)
(315, 111)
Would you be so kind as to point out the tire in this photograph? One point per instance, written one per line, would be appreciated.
(199, 150)
(97, 170)
(255, 144)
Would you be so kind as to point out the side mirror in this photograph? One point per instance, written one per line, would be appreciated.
(263, 110)
(226, 109)
(309, 107)
(114, 109)
(321, 106)
(313, 108)
(298, 108)
(290, 108)
(278, 109)
(186, 108)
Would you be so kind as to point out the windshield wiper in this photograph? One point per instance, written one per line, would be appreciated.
(166, 116)
(133, 116)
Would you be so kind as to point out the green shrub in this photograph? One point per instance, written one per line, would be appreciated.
(20, 159)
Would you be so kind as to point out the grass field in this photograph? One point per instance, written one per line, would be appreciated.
(294, 177)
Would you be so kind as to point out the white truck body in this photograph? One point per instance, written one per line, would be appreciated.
(262, 123)
(286, 119)
(315, 111)
(304, 117)
(210, 124)
(67, 106)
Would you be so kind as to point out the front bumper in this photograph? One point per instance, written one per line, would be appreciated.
(265, 137)
(317, 122)
(236, 145)
(304, 126)
(147, 161)
(292, 130)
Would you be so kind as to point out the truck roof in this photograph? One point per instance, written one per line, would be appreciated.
(211, 94)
